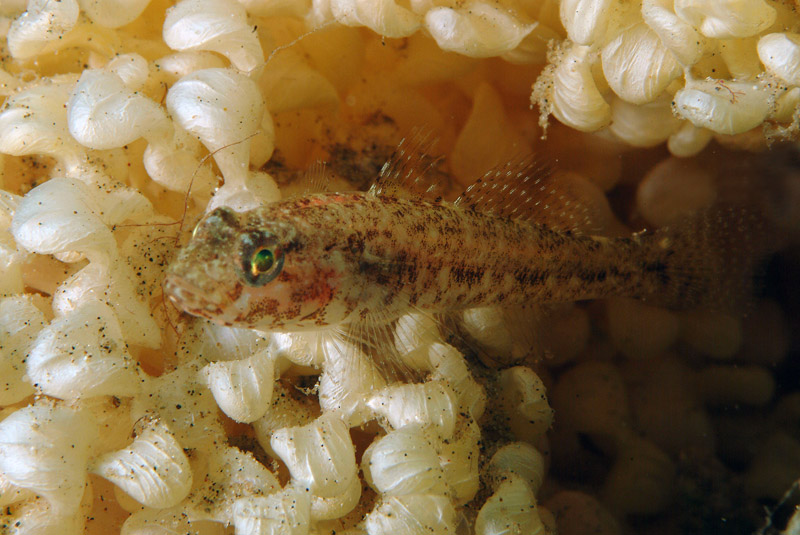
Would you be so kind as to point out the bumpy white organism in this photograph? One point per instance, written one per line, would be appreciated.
(215, 25)
(45, 448)
(576, 100)
(113, 13)
(320, 456)
(431, 404)
(524, 401)
(153, 470)
(723, 106)
(780, 54)
(224, 109)
(384, 17)
(242, 388)
(45, 22)
(637, 66)
(20, 322)
(404, 462)
(34, 121)
(477, 29)
(83, 354)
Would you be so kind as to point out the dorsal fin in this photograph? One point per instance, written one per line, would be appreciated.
(316, 179)
(528, 189)
(407, 173)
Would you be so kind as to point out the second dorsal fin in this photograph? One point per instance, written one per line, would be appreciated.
(528, 189)
(407, 173)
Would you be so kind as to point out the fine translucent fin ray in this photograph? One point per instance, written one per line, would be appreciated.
(709, 260)
(528, 189)
(375, 337)
(524, 325)
(408, 171)
(317, 179)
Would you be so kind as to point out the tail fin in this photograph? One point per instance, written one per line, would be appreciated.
(708, 261)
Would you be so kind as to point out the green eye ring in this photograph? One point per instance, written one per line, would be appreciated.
(261, 261)
(261, 258)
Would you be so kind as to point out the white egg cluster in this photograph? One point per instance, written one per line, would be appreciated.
(106, 396)
(679, 72)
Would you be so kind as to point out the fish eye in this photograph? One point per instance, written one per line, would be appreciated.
(262, 258)
(261, 261)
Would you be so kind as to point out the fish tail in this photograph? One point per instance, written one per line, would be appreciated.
(710, 260)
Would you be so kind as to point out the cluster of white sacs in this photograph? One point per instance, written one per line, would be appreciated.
(75, 398)
(680, 71)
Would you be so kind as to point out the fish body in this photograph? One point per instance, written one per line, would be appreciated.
(347, 257)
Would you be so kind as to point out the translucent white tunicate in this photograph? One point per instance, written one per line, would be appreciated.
(242, 388)
(35, 122)
(576, 100)
(459, 458)
(103, 113)
(289, 83)
(518, 459)
(430, 404)
(179, 64)
(688, 140)
(10, 493)
(113, 13)
(637, 65)
(320, 455)
(586, 21)
(385, 17)
(232, 474)
(415, 514)
(284, 513)
(349, 376)
(450, 366)
(183, 403)
(724, 106)
(404, 462)
(215, 25)
(780, 54)
(132, 69)
(523, 399)
(222, 108)
(114, 284)
(38, 517)
(332, 507)
(476, 29)
(67, 215)
(82, 355)
(153, 470)
(646, 125)
(511, 509)
(20, 322)
(44, 22)
(45, 448)
(725, 19)
(677, 35)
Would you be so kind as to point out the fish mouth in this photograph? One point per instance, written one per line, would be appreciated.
(191, 298)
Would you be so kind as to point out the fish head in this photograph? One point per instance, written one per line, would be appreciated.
(260, 269)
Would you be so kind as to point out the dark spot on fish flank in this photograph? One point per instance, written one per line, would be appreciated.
(418, 228)
(530, 277)
(388, 234)
(601, 276)
(659, 269)
(370, 233)
(469, 275)
(355, 243)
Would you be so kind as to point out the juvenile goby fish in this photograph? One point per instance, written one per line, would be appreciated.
(335, 259)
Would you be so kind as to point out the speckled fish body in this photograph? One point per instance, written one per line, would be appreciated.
(356, 256)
